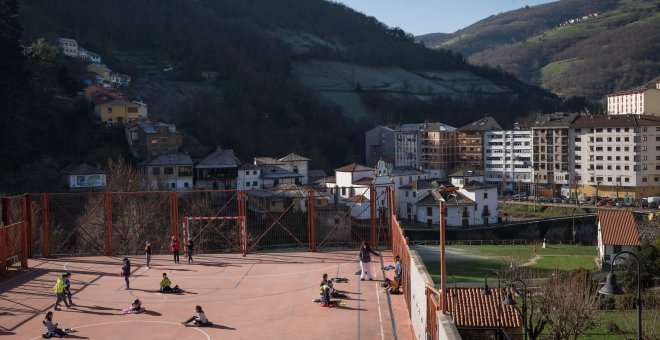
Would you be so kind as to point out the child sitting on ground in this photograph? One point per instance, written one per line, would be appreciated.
(165, 285)
(136, 307)
(199, 319)
(334, 292)
(391, 286)
(51, 328)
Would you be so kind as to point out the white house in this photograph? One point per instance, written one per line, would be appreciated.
(617, 231)
(265, 176)
(69, 47)
(352, 186)
(171, 171)
(84, 176)
(296, 164)
(485, 198)
(249, 177)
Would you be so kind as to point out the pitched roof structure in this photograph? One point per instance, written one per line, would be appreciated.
(469, 308)
(557, 119)
(266, 160)
(325, 180)
(483, 124)
(354, 167)
(270, 171)
(451, 198)
(292, 157)
(618, 227)
(620, 121)
(473, 185)
(467, 173)
(423, 184)
(169, 159)
(407, 171)
(364, 181)
(357, 199)
(81, 169)
(218, 159)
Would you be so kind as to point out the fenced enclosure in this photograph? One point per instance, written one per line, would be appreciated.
(218, 221)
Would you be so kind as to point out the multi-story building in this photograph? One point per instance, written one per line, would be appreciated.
(218, 170)
(641, 101)
(118, 111)
(471, 143)
(438, 147)
(296, 164)
(508, 160)
(379, 144)
(149, 139)
(407, 145)
(265, 176)
(551, 156)
(69, 47)
(172, 171)
(616, 155)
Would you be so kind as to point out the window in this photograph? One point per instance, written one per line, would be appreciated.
(414, 193)
(485, 195)
(644, 180)
(185, 184)
(109, 109)
(247, 184)
(168, 170)
(154, 141)
(254, 172)
(429, 211)
(254, 183)
(625, 167)
(609, 179)
(406, 193)
(155, 171)
(343, 191)
(617, 249)
(626, 179)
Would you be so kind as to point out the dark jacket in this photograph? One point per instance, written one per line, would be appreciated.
(365, 255)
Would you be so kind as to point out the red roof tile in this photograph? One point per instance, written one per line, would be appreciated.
(357, 198)
(475, 310)
(353, 168)
(363, 181)
(618, 227)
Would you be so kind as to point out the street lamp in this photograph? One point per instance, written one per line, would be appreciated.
(486, 292)
(510, 301)
(611, 287)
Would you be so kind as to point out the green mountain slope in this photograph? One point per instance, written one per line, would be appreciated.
(566, 48)
(304, 76)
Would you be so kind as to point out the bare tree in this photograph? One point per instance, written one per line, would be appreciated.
(569, 301)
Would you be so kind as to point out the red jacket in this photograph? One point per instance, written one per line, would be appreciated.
(175, 245)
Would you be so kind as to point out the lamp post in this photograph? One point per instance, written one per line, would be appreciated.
(611, 287)
(509, 301)
(486, 292)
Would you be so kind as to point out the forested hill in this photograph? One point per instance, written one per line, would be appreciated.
(571, 47)
(304, 76)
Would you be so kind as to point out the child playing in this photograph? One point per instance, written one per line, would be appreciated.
(165, 285)
(147, 253)
(59, 292)
(136, 307)
(334, 292)
(199, 319)
(190, 246)
(126, 271)
(397, 270)
(391, 286)
(175, 246)
(67, 287)
(51, 328)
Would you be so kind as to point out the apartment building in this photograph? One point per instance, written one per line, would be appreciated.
(508, 160)
(407, 145)
(616, 155)
(551, 156)
(149, 139)
(438, 148)
(69, 47)
(641, 101)
(471, 143)
(379, 144)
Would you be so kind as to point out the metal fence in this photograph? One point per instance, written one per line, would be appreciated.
(14, 232)
(110, 223)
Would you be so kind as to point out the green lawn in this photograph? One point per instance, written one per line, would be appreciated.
(470, 264)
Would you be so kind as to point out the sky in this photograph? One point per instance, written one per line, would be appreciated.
(434, 16)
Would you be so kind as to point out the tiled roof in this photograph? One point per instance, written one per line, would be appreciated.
(558, 119)
(469, 308)
(618, 227)
(483, 124)
(81, 169)
(248, 166)
(467, 173)
(150, 127)
(423, 184)
(292, 157)
(407, 171)
(317, 173)
(357, 198)
(353, 168)
(435, 127)
(364, 181)
(218, 159)
(266, 160)
(327, 180)
(169, 159)
(478, 185)
(407, 127)
(601, 121)
(453, 198)
(269, 171)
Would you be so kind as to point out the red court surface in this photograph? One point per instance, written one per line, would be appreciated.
(261, 296)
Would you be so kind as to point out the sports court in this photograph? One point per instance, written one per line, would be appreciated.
(260, 296)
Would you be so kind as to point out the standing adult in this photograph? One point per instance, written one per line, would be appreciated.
(126, 271)
(147, 253)
(59, 292)
(190, 247)
(175, 248)
(365, 261)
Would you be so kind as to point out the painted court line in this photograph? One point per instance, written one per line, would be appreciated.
(380, 315)
(131, 321)
(239, 281)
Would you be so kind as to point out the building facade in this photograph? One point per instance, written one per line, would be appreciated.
(118, 111)
(638, 101)
(149, 139)
(298, 165)
(217, 171)
(84, 177)
(438, 147)
(508, 160)
(171, 172)
(379, 144)
(550, 153)
(407, 145)
(471, 143)
(69, 47)
(616, 156)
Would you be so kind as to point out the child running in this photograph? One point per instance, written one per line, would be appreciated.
(199, 319)
(59, 292)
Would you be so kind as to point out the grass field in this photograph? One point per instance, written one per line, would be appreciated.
(470, 264)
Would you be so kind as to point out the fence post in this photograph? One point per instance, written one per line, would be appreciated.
(311, 220)
(27, 218)
(6, 214)
(45, 226)
(24, 225)
(107, 205)
(372, 207)
(174, 213)
(3, 247)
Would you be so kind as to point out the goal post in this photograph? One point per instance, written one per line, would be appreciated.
(185, 224)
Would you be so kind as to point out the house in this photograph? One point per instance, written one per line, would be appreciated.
(403, 175)
(617, 231)
(98, 94)
(149, 139)
(479, 316)
(265, 176)
(119, 80)
(89, 55)
(84, 176)
(101, 70)
(217, 171)
(351, 180)
(352, 186)
(296, 164)
(171, 171)
(316, 175)
(69, 47)
(118, 111)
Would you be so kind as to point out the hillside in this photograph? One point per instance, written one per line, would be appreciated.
(304, 76)
(573, 48)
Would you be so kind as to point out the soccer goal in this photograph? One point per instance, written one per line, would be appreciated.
(213, 234)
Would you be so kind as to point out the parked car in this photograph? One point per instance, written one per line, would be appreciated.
(556, 200)
(522, 197)
(611, 203)
(601, 203)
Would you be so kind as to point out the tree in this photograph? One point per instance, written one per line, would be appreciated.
(569, 301)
